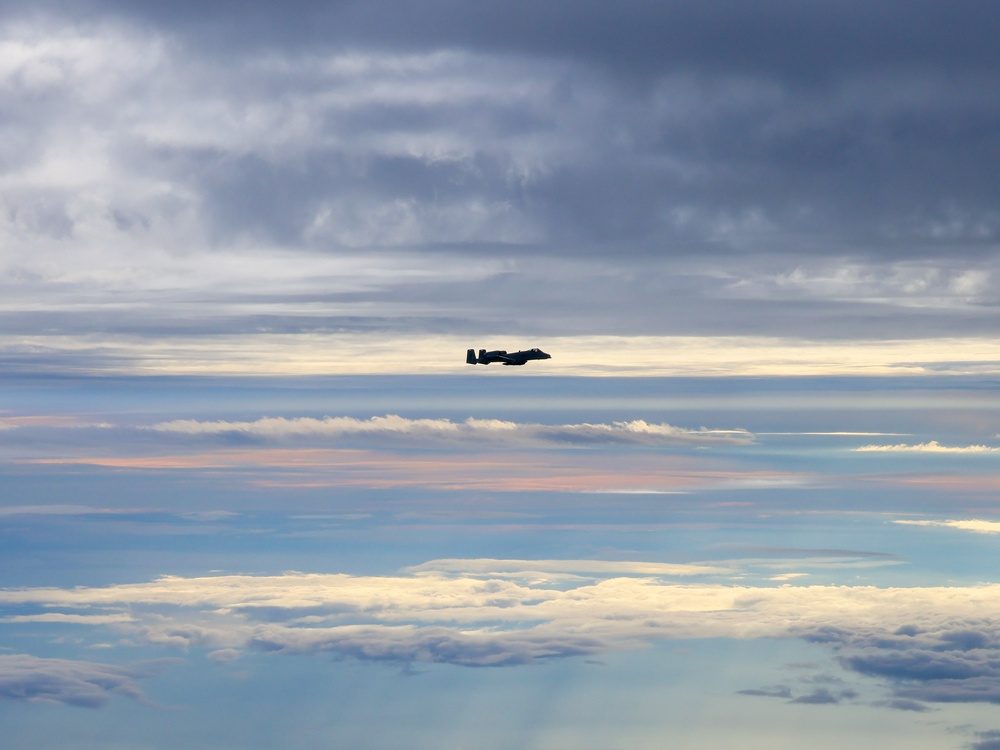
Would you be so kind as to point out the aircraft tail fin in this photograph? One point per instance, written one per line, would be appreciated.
(470, 357)
(482, 357)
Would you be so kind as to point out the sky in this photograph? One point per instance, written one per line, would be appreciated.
(251, 494)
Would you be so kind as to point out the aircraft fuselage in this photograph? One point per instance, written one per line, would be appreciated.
(516, 358)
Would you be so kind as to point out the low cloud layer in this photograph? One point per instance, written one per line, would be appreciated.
(926, 644)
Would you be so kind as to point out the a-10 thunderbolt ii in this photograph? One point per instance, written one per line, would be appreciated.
(516, 358)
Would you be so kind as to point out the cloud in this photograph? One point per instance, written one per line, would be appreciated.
(560, 568)
(63, 618)
(839, 434)
(987, 741)
(76, 683)
(209, 516)
(636, 432)
(405, 643)
(813, 559)
(930, 447)
(224, 655)
(326, 352)
(523, 470)
(925, 644)
(903, 284)
(52, 510)
(814, 44)
(776, 691)
(977, 526)
(901, 704)
(822, 696)
(373, 170)
(60, 422)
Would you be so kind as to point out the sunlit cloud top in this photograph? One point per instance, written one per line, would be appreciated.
(979, 526)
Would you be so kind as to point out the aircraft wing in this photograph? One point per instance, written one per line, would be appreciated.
(517, 358)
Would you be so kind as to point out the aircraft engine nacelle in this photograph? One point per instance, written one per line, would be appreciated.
(486, 357)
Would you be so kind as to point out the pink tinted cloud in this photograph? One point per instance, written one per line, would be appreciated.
(506, 472)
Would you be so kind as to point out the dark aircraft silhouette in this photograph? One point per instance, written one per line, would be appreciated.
(517, 358)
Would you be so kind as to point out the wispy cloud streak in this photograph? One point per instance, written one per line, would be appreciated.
(635, 432)
(932, 446)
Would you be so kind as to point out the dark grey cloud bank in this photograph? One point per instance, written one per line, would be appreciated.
(830, 123)
(950, 666)
(819, 169)
(987, 741)
(800, 41)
